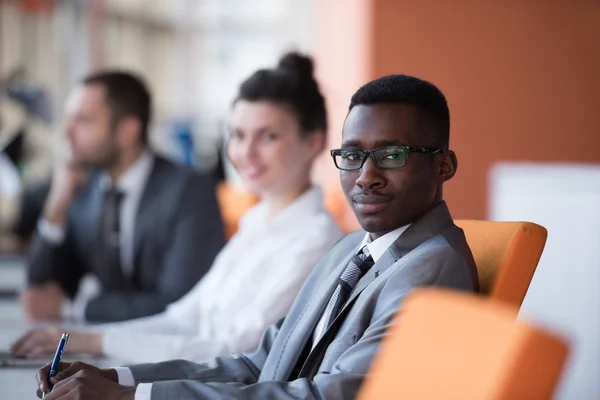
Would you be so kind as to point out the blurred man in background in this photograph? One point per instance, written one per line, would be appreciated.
(124, 232)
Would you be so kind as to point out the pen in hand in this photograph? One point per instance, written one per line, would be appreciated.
(56, 360)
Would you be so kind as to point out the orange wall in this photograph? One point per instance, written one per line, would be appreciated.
(342, 51)
(522, 78)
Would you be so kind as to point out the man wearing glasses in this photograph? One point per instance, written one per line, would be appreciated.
(393, 163)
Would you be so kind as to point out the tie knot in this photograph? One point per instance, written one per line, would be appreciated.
(114, 194)
(364, 253)
(363, 260)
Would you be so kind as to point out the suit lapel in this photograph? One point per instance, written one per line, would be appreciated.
(387, 260)
(302, 332)
(299, 338)
(315, 356)
(437, 219)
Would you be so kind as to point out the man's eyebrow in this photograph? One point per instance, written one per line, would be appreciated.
(351, 143)
(385, 143)
(376, 144)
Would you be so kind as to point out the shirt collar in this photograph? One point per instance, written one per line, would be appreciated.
(134, 177)
(378, 246)
(311, 201)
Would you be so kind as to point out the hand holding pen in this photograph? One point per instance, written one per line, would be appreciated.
(54, 367)
(80, 380)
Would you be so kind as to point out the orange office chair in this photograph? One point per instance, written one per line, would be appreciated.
(506, 254)
(336, 204)
(452, 345)
(233, 203)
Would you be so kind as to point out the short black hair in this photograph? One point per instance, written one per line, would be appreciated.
(126, 96)
(432, 108)
(291, 84)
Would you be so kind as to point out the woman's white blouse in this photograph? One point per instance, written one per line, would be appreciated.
(252, 283)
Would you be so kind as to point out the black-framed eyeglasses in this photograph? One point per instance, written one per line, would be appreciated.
(388, 157)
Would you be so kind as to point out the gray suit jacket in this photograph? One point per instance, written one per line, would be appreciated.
(178, 232)
(431, 252)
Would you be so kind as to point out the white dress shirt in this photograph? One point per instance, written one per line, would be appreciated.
(252, 283)
(10, 182)
(132, 184)
(10, 187)
(375, 248)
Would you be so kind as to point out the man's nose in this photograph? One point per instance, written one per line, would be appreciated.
(370, 175)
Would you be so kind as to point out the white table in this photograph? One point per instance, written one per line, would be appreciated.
(18, 383)
(15, 383)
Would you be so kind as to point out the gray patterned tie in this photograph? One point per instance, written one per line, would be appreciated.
(110, 239)
(357, 267)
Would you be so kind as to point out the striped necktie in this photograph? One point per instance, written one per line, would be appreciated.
(356, 269)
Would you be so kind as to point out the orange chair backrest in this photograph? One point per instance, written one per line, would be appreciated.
(451, 345)
(506, 254)
(233, 203)
(336, 204)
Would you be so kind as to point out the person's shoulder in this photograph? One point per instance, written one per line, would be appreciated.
(339, 245)
(91, 187)
(176, 172)
(437, 247)
(168, 166)
(322, 224)
(436, 261)
(316, 236)
(340, 250)
(450, 244)
(356, 236)
(347, 243)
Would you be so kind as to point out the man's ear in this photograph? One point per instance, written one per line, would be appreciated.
(316, 142)
(448, 164)
(129, 130)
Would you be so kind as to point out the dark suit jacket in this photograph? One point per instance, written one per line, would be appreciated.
(178, 233)
(431, 252)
